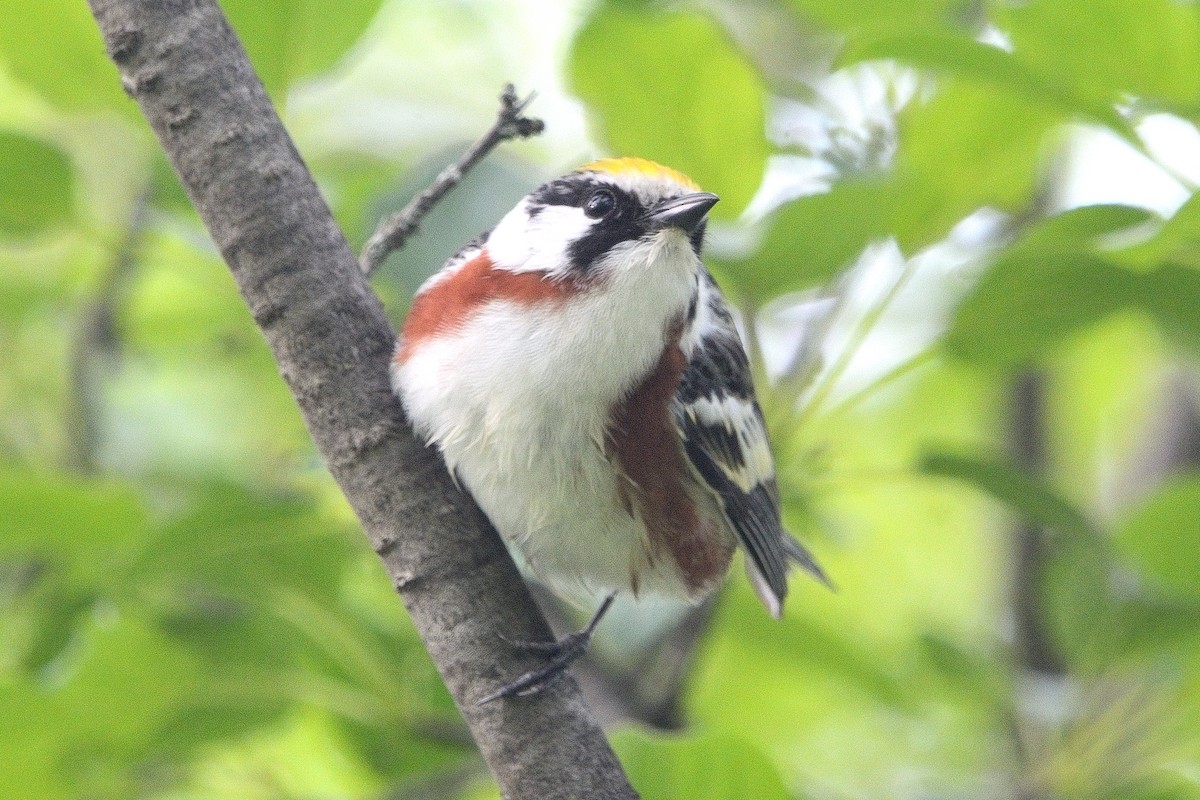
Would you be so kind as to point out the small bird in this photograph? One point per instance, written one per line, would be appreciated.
(582, 376)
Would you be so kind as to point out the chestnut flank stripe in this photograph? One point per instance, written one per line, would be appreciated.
(645, 445)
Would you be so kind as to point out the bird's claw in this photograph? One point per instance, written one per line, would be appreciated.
(560, 654)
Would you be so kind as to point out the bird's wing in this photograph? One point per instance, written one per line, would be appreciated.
(725, 439)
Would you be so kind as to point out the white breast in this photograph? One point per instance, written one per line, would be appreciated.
(518, 398)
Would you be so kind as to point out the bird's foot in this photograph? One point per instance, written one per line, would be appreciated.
(560, 655)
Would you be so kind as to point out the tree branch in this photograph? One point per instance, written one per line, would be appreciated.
(185, 67)
(393, 232)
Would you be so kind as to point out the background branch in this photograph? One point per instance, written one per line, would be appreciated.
(393, 232)
(96, 340)
(1034, 649)
(189, 74)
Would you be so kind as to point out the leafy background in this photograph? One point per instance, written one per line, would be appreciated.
(964, 239)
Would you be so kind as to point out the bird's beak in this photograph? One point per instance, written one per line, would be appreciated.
(686, 212)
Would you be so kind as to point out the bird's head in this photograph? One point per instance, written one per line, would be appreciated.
(610, 215)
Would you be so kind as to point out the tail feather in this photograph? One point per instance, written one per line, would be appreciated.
(799, 554)
(795, 552)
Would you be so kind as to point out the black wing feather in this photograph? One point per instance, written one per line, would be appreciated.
(718, 373)
(753, 515)
(724, 437)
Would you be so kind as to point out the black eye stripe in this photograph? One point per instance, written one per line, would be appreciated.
(624, 222)
(572, 190)
(605, 234)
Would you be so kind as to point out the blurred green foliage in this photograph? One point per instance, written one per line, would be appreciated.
(715, 129)
(188, 611)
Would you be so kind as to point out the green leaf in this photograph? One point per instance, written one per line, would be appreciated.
(710, 766)
(1028, 302)
(868, 15)
(1081, 227)
(1075, 590)
(1177, 240)
(32, 730)
(1162, 537)
(128, 680)
(66, 517)
(55, 47)
(291, 39)
(36, 185)
(85, 730)
(70, 537)
(242, 545)
(60, 614)
(974, 674)
(754, 665)
(1154, 622)
(1088, 46)
(1058, 279)
(811, 239)
(967, 148)
(1023, 492)
(1171, 295)
(670, 87)
(960, 56)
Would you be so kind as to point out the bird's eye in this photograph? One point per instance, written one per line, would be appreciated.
(600, 204)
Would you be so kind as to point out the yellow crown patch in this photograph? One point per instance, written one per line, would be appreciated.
(638, 166)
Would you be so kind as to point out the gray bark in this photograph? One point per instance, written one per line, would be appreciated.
(184, 66)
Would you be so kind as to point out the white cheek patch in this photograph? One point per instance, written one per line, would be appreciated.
(507, 245)
(521, 244)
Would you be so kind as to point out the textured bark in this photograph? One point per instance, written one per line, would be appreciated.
(185, 67)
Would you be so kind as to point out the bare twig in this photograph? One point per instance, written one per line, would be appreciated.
(394, 231)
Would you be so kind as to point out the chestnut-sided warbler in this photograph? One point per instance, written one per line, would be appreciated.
(581, 374)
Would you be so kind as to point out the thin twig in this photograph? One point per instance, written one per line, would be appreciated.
(859, 335)
(394, 231)
(914, 362)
